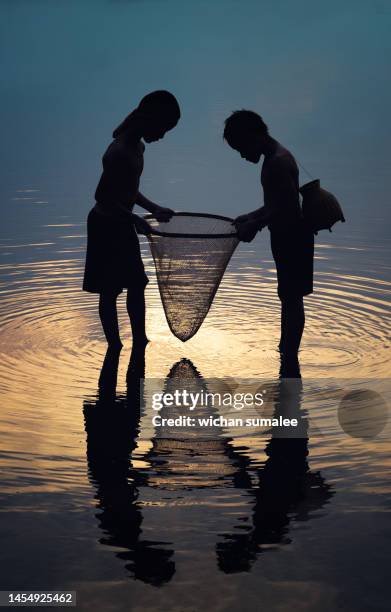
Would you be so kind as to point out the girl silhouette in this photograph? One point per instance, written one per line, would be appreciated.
(113, 259)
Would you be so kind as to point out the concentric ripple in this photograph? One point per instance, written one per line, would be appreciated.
(51, 333)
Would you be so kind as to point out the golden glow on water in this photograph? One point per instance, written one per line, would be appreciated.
(47, 321)
(52, 351)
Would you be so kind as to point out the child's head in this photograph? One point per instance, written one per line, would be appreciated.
(157, 113)
(246, 132)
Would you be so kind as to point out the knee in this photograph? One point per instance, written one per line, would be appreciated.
(135, 295)
(292, 304)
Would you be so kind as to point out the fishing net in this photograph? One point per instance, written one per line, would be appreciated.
(191, 253)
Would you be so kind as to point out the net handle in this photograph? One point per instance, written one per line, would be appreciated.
(190, 214)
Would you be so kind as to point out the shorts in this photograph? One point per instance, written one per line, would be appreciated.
(293, 253)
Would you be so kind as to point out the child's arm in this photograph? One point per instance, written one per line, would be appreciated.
(159, 212)
(247, 226)
(282, 192)
(260, 216)
(142, 226)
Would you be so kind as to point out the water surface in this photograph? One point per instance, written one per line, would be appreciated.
(117, 508)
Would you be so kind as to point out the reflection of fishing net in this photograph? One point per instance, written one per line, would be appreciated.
(184, 376)
(191, 253)
(190, 456)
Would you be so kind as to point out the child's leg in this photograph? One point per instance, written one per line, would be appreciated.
(109, 318)
(292, 325)
(281, 344)
(135, 304)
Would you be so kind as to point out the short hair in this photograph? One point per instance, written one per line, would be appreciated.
(161, 104)
(241, 123)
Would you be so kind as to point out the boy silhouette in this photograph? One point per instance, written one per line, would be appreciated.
(292, 242)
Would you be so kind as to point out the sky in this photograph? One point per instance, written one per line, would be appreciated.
(317, 72)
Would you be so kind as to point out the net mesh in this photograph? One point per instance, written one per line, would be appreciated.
(191, 253)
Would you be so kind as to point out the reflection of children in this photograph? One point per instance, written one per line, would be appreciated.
(113, 259)
(292, 242)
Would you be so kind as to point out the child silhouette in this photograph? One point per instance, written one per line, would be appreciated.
(113, 259)
(292, 242)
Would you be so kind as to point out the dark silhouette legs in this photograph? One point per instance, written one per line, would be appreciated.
(109, 318)
(135, 304)
(292, 325)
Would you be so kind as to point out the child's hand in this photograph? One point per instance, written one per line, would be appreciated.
(247, 230)
(251, 216)
(163, 214)
(242, 219)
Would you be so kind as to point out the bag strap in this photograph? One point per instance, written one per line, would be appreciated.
(306, 171)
